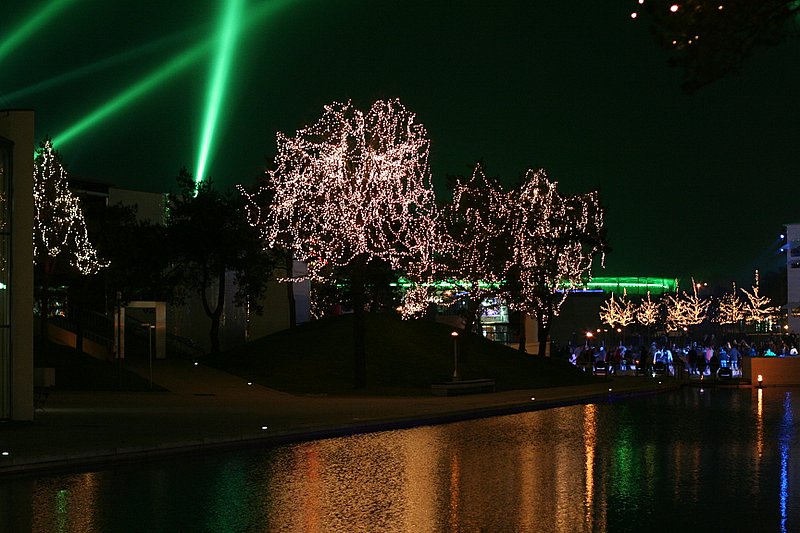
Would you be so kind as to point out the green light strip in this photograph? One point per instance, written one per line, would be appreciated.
(229, 31)
(42, 17)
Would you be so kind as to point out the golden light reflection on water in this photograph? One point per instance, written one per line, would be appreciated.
(759, 426)
(589, 442)
(67, 504)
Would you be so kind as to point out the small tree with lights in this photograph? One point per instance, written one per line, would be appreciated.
(731, 309)
(757, 308)
(60, 237)
(350, 190)
(620, 311)
(648, 313)
(684, 310)
(555, 241)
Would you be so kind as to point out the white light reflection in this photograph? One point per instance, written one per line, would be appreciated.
(785, 438)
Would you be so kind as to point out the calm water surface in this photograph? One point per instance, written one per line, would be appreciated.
(717, 460)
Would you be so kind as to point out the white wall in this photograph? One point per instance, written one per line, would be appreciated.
(793, 274)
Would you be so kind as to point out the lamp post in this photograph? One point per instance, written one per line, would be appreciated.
(454, 334)
(150, 328)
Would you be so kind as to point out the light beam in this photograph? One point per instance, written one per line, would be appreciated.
(156, 78)
(42, 17)
(135, 91)
(99, 65)
(228, 32)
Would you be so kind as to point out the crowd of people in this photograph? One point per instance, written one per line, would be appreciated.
(706, 357)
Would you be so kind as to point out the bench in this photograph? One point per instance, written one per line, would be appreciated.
(465, 386)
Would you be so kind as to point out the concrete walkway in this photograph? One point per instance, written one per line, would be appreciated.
(206, 409)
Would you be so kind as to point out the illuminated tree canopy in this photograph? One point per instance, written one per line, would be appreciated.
(477, 246)
(354, 184)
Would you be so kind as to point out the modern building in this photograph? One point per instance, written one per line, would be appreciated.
(16, 259)
(793, 276)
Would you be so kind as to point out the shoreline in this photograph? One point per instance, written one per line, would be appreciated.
(77, 432)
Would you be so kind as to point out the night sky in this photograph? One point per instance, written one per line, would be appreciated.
(695, 185)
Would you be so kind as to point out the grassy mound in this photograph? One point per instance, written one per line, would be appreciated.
(403, 357)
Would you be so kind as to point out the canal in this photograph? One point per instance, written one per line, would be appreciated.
(689, 460)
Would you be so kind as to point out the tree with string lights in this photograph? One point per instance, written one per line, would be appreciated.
(60, 237)
(620, 311)
(731, 309)
(648, 312)
(757, 308)
(351, 190)
(711, 39)
(477, 247)
(684, 310)
(555, 240)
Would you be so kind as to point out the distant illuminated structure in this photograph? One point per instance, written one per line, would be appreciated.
(633, 285)
(792, 247)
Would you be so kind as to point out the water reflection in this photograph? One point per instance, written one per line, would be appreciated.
(720, 459)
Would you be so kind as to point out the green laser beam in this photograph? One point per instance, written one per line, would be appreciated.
(103, 64)
(41, 18)
(175, 65)
(229, 30)
(158, 77)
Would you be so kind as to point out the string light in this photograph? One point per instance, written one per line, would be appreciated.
(352, 185)
(59, 226)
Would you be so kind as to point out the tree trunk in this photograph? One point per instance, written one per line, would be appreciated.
(215, 314)
(290, 291)
(471, 318)
(523, 338)
(359, 330)
(46, 266)
(544, 332)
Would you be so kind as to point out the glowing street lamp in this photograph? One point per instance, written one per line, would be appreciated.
(454, 334)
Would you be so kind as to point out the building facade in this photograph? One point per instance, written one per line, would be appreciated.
(16, 260)
(793, 276)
